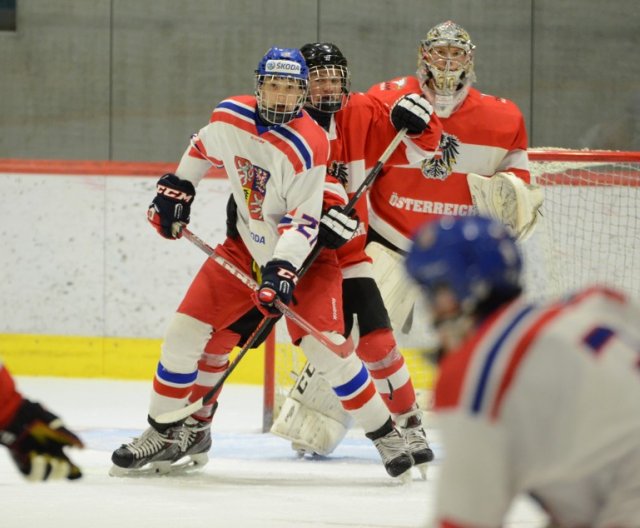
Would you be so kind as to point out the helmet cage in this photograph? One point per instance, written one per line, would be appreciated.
(282, 81)
(329, 87)
(445, 66)
(282, 101)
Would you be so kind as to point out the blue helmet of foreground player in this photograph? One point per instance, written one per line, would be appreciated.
(474, 257)
(282, 80)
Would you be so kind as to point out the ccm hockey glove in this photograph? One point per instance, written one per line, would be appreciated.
(337, 228)
(412, 112)
(36, 438)
(279, 278)
(170, 209)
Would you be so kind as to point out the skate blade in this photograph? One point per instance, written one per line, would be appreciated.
(149, 470)
(404, 478)
(184, 466)
(422, 469)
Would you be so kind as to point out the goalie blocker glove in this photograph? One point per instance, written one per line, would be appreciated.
(36, 438)
(337, 228)
(412, 112)
(170, 209)
(279, 279)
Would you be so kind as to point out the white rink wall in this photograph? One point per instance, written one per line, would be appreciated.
(78, 256)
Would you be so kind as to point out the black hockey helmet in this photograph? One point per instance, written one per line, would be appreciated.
(323, 54)
(325, 60)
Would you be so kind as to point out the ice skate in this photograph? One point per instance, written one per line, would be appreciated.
(393, 450)
(410, 426)
(150, 454)
(194, 443)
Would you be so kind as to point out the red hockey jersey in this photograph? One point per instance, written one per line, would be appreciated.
(485, 135)
(359, 134)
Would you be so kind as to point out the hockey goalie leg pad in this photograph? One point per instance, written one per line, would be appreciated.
(507, 198)
(312, 417)
(398, 292)
(351, 382)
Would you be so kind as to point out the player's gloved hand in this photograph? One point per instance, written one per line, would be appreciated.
(412, 112)
(36, 438)
(170, 210)
(279, 278)
(337, 228)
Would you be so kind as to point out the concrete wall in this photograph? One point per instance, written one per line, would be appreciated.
(113, 79)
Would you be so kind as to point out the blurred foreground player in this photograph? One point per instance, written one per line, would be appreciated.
(537, 399)
(34, 436)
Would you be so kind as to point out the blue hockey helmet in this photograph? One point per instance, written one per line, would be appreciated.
(282, 80)
(474, 257)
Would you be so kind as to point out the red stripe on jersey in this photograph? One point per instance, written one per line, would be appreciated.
(232, 119)
(454, 367)
(518, 354)
(286, 149)
(361, 399)
(534, 329)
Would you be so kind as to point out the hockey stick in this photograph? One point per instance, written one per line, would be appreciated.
(267, 323)
(341, 350)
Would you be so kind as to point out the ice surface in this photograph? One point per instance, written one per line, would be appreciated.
(252, 479)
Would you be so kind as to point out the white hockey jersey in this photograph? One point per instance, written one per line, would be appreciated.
(276, 173)
(544, 400)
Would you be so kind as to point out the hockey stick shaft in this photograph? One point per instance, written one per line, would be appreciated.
(364, 187)
(267, 324)
(341, 350)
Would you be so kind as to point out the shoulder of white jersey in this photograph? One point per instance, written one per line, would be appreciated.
(477, 378)
(242, 107)
(308, 140)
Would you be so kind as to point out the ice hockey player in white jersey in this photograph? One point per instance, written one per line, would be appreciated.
(275, 157)
(542, 399)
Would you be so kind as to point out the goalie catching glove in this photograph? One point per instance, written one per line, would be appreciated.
(412, 112)
(170, 210)
(507, 198)
(36, 438)
(337, 228)
(279, 278)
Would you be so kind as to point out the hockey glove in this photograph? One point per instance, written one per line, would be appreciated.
(36, 439)
(279, 278)
(412, 112)
(337, 228)
(170, 209)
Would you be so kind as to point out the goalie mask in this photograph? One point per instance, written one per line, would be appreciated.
(466, 266)
(329, 77)
(445, 67)
(282, 81)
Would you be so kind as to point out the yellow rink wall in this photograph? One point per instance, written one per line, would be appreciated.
(136, 359)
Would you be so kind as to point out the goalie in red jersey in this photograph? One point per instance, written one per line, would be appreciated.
(481, 166)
